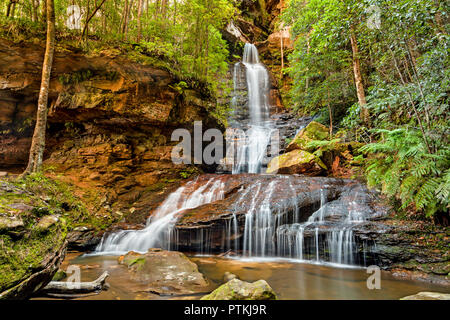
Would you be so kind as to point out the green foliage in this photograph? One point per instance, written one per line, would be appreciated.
(60, 199)
(76, 77)
(405, 69)
(404, 169)
(181, 36)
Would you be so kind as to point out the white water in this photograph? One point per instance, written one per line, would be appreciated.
(159, 230)
(267, 232)
(253, 144)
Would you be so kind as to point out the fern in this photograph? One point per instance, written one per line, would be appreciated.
(402, 167)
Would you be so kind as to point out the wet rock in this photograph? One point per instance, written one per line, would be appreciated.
(165, 272)
(207, 227)
(83, 239)
(240, 290)
(297, 161)
(428, 296)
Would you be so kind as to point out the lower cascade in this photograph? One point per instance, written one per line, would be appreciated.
(158, 232)
(307, 219)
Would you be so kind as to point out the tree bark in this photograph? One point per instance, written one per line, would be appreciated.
(10, 8)
(139, 25)
(35, 6)
(44, 11)
(38, 141)
(358, 78)
(90, 17)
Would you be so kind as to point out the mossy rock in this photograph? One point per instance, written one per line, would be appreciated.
(240, 290)
(32, 237)
(59, 275)
(297, 161)
(313, 131)
(428, 296)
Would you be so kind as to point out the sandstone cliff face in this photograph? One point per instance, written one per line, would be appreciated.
(110, 122)
(259, 23)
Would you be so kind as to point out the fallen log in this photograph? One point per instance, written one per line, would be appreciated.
(65, 289)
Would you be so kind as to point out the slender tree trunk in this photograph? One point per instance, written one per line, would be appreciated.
(281, 48)
(164, 8)
(282, 56)
(308, 49)
(411, 101)
(13, 10)
(44, 11)
(85, 29)
(139, 25)
(38, 141)
(157, 8)
(330, 112)
(124, 17)
(34, 10)
(358, 78)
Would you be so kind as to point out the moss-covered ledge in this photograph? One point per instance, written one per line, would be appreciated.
(36, 214)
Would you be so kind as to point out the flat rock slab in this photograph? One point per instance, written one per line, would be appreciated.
(165, 272)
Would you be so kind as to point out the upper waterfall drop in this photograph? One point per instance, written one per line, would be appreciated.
(250, 151)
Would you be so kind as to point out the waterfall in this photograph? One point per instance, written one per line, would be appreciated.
(159, 230)
(272, 224)
(251, 147)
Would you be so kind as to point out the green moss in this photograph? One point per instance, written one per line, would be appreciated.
(21, 258)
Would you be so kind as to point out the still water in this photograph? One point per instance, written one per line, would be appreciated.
(290, 280)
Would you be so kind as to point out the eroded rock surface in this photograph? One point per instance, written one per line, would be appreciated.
(165, 272)
(32, 241)
(110, 122)
(240, 290)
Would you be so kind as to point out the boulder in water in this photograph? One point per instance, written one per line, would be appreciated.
(165, 272)
(240, 290)
(297, 161)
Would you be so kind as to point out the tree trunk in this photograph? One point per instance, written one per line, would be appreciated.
(35, 6)
(124, 17)
(38, 141)
(58, 288)
(139, 25)
(44, 11)
(164, 8)
(281, 48)
(358, 78)
(85, 29)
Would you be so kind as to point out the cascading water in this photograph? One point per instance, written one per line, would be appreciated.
(252, 144)
(271, 227)
(159, 230)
